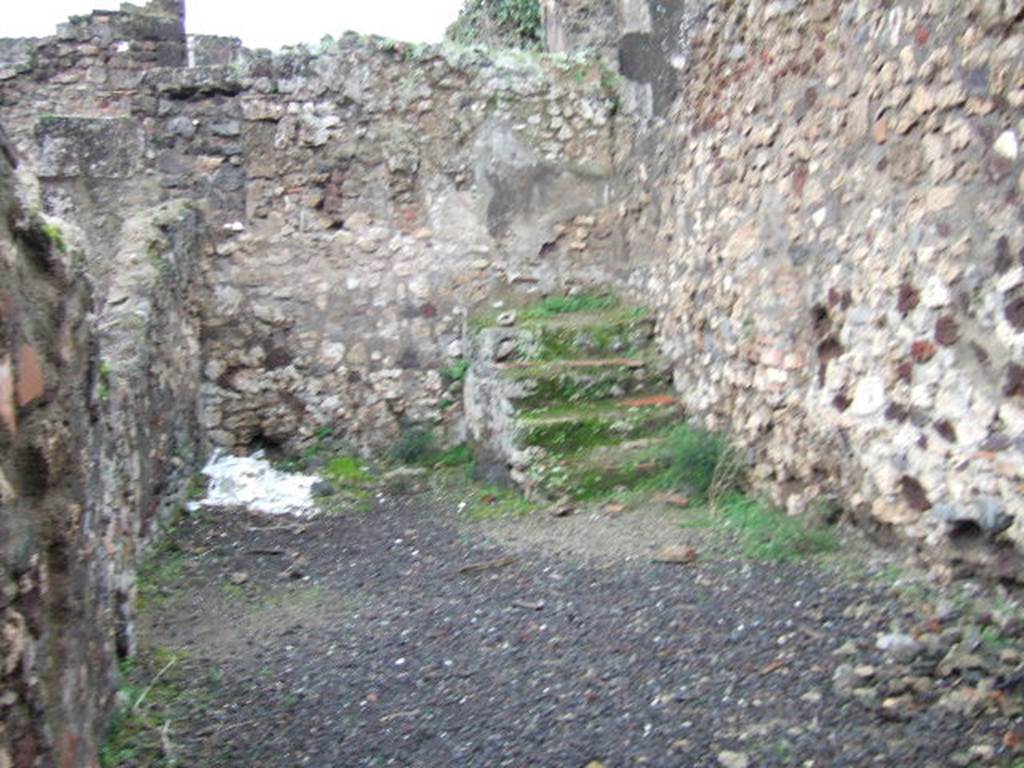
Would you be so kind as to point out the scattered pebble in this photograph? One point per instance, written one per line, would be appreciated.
(733, 759)
(676, 555)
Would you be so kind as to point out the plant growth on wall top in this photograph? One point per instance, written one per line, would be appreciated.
(501, 23)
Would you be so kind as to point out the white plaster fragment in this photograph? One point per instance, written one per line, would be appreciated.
(1007, 145)
(868, 397)
(252, 482)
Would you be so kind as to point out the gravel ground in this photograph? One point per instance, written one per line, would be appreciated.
(408, 636)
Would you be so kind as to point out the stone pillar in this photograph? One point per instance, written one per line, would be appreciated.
(554, 30)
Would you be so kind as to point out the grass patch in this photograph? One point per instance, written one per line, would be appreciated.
(613, 316)
(701, 463)
(765, 533)
(346, 470)
(352, 486)
(161, 568)
(568, 436)
(496, 503)
(150, 702)
(456, 456)
(597, 482)
(563, 305)
(325, 446)
(414, 446)
(418, 446)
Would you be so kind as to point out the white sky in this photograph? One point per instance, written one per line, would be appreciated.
(262, 23)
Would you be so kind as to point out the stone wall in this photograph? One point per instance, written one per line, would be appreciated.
(359, 199)
(384, 193)
(99, 430)
(835, 201)
(822, 200)
(44, 418)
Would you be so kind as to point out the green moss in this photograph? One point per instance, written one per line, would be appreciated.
(552, 383)
(346, 470)
(353, 487)
(568, 436)
(55, 235)
(612, 83)
(596, 483)
(991, 636)
(105, 374)
(554, 330)
(418, 446)
(610, 334)
(456, 371)
(575, 429)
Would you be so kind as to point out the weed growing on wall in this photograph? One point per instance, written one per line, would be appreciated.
(698, 460)
(456, 371)
(414, 446)
(509, 23)
(56, 237)
(418, 446)
(705, 465)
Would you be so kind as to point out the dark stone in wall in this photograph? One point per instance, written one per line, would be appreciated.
(646, 57)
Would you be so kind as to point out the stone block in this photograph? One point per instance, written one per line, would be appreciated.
(100, 148)
(31, 383)
(8, 415)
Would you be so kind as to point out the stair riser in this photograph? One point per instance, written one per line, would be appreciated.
(564, 437)
(586, 385)
(622, 339)
(552, 342)
(582, 483)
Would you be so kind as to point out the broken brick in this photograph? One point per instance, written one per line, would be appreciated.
(922, 351)
(946, 331)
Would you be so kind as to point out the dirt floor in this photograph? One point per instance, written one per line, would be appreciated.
(410, 636)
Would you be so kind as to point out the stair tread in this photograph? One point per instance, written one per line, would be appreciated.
(587, 362)
(587, 319)
(612, 408)
(626, 453)
(627, 464)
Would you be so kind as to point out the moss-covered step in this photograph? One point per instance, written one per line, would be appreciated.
(565, 430)
(526, 310)
(597, 472)
(618, 333)
(586, 380)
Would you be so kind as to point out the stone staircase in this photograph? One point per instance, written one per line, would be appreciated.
(568, 399)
